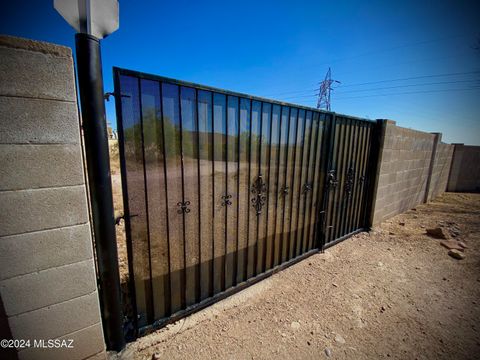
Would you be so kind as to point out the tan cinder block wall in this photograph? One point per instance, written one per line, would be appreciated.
(441, 169)
(47, 275)
(404, 168)
(465, 172)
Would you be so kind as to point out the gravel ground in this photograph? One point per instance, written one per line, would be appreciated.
(391, 293)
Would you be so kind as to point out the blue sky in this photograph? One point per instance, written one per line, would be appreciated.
(282, 49)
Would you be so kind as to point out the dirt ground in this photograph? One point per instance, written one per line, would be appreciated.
(391, 293)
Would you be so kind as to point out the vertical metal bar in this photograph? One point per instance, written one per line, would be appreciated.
(362, 170)
(335, 167)
(339, 168)
(356, 175)
(351, 169)
(356, 169)
(277, 194)
(184, 272)
(314, 176)
(225, 156)
(317, 158)
(219, 123)
(361, 184)
(168, 302)
(249, 190)
(238, 191)
(365, 185)
(198, 287)
(126, 210)
(304, 239)
(341, 180)
(259, 172)
(149, 285)
(346, 202)
(285, 178)
(291, 243)
(328, 137)
(268, 190)
(212, 284)
(367, 175)
(298, 243)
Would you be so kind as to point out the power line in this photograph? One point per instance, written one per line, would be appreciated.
(410, 92)
(412, 78)
(371, 95)
(436, 59)
(391, 49)
(407, 85)
(377, 82)
(375, 68)
(291, 92)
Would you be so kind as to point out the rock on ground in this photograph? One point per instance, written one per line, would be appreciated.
(456, 254)
(436, 233)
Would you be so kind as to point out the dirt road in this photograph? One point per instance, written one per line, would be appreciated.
(394, 293)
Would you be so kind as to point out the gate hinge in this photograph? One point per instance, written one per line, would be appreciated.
(107, 95)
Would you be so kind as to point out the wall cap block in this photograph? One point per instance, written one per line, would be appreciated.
(36, 46)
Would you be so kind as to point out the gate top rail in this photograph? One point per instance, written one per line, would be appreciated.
(142, 75)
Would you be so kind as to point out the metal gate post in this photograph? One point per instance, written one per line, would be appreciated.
(373, 173)
(90, 84)
(327, 148)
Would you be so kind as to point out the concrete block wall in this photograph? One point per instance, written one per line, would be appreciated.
(47, 274)
(403, 174)
(465, 172)
(440, 169)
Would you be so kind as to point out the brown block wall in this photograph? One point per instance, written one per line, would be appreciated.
(465, 172)
(48, 286)
(406, 161)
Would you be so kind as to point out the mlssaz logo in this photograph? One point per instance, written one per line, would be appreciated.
(53, 343)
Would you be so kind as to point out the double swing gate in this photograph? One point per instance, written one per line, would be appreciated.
(222, 189)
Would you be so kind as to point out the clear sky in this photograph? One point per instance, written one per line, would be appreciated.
(282, 50)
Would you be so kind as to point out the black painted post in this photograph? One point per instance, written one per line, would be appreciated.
(90, 84)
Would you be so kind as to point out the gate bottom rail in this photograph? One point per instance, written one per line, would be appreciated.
(222, 295)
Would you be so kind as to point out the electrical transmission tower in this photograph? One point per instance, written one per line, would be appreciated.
(324, 91)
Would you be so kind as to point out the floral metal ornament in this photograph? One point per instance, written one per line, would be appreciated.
(349, 182)
(259, 189)
(331, 180)
(183, 207)
(226, 200)
(307, 187)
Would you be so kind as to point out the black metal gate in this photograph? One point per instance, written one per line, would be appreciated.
(222, 189)
(348, 178)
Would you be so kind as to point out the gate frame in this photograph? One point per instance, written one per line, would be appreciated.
(322, 196)
(373, 171)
